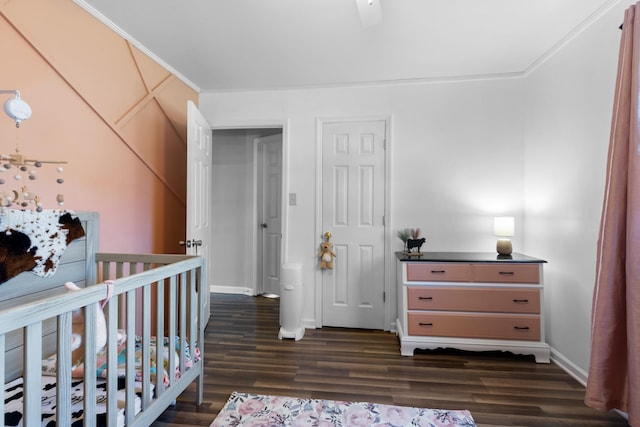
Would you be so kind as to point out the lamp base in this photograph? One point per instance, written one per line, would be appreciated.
(504, 247)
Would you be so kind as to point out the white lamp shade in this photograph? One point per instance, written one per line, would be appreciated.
(504, 226)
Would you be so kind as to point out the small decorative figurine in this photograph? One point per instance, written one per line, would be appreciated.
(412, 241)
(326, 252)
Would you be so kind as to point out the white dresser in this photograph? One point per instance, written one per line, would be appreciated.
(471, 301)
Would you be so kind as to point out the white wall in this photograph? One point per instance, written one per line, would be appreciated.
(457, 158)
(569, 101)
(533, 147)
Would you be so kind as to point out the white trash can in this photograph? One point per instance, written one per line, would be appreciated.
(291, 300)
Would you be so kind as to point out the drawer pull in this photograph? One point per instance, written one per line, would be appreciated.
(506, 273)
(426, 298)
(425, 324)
(520, 300)
(521, 328)
(438, 271)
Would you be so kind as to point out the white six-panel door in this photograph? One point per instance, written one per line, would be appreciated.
(353, 202)
(199, 146)
(270, 205)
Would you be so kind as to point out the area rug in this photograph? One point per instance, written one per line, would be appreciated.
(255, 410)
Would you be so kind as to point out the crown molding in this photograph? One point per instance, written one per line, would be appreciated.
(99, 16)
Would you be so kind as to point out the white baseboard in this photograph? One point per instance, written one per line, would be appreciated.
(569, 367)
(576, 372)
(231, 290)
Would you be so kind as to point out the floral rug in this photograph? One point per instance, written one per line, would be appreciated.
(255, 410)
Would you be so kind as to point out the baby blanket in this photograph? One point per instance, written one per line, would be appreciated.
(35, 241)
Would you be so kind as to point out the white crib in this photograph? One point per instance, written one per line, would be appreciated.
(161, 297)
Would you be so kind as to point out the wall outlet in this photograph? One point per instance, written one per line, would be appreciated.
(292, 199)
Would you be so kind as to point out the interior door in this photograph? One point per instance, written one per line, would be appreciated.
(270, 205)
(199, 145)
(353, 201)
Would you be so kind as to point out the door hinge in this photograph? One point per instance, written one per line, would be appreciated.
(384, 297)
(383, 221)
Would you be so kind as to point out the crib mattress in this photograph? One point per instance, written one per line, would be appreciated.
(14, 398)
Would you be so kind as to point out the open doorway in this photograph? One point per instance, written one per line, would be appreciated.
(246, 243)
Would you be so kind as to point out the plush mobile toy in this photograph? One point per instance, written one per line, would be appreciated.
(326, 253)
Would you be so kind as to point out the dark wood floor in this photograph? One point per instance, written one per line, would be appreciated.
(243, 353)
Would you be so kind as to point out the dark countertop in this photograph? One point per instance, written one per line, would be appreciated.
(468, 257)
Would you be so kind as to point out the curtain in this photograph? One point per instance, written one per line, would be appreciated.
(614, 370)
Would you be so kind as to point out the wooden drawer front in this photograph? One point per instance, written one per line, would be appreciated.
(427, 272)
(500, 300)
(506, 273)
(516, 327)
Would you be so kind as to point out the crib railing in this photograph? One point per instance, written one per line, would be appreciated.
(177, 299)
(167, 298)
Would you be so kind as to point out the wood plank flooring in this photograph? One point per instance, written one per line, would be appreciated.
(243, 353)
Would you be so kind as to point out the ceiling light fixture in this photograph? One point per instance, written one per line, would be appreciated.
(18, 110)
(370, 13)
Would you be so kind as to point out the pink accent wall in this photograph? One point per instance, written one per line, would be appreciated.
(116, 116)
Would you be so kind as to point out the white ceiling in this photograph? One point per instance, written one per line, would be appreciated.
(221, 45)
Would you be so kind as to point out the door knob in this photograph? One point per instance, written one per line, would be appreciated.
(193, 242)
(263, 225)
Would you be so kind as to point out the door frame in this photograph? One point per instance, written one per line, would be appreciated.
(390, 301)
(284, 127)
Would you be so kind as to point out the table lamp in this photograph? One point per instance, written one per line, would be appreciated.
(503, 227)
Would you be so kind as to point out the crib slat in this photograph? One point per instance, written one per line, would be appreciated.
(90, 326)
(2, 351)
(183, 318)
(63, 368)
(133, 268)
(203, 298)
(172, 324)
(119, 270)
(112, 362)
(160, 309)
(146, 345)
(32, 374)
(130, 358)
(193, 318)
(193, 310)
